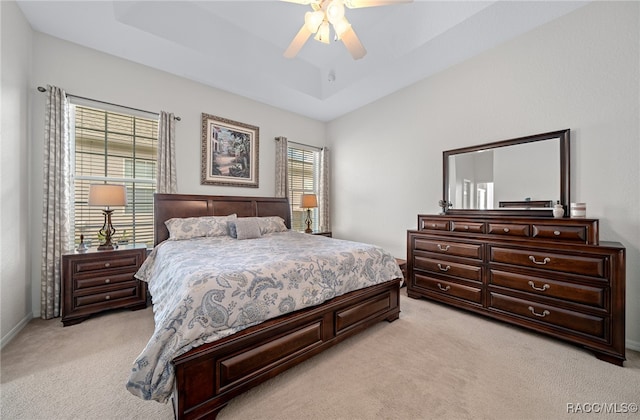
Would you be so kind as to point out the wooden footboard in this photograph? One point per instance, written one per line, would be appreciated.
(209, 376)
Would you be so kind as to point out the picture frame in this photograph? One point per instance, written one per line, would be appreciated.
(230, 152)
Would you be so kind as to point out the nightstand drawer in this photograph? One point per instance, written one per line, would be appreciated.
(103, 280)
(89, 265)
(110, 296)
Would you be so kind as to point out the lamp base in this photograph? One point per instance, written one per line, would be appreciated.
(107, 232)
(308, 221)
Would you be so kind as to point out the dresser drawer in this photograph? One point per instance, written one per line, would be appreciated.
(449, 288)
(520, 230)
(105, 280)
(578, 293)
(565, 233)
(549, 314)
(471, 227)
(587, 265)
(106, 297)
(90, 265)
(449, 268)
(450, 248)
(433, 224)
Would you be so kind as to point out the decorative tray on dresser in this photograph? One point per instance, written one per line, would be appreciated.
(549, 275)
(96, 281)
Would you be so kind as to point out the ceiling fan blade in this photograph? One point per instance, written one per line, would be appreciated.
(298, 41)
(353, 44)
(355, 4)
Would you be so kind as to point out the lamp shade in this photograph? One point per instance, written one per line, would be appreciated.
(308, 201)
(105, 195)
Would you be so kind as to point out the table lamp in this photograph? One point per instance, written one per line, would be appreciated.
(107, 196)
(308, 201)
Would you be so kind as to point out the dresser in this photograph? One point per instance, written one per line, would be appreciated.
(550, 275)
(96, 281)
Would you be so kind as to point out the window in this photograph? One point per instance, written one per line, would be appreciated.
(303, 167)
(114, 147)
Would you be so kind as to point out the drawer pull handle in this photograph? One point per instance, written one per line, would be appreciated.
(542, 315)
(107, 265)
(556, 232)
(540, 289)
(443, 268)
(433, 225)
(443, 248)
(107, 297)
(466, 227)
(444, 289)
(543, 262)
(107, 281)
(506, 230)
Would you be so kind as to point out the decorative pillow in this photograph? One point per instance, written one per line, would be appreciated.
(271, 224)
(196, 227)
(244, 228)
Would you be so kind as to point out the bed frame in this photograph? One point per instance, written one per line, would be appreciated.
(209, 376)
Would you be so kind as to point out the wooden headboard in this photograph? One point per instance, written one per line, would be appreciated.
(167, 206)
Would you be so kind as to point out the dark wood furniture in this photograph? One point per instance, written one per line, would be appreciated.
(327, 234)
(549, 275)
(403, 267)
(208, 376)
(96, 281)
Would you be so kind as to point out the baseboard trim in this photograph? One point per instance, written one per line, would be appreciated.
(632, 345)
(15, 330)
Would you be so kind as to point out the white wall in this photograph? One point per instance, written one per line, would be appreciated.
(15, 282)
(85, 72)
(580, 72)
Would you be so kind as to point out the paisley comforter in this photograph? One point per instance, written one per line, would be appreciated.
(205, 289)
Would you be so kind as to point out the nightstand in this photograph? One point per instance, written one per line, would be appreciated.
(96, 281)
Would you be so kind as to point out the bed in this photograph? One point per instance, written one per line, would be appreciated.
(205, 375)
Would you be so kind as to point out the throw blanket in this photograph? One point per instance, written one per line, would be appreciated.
(205, 289)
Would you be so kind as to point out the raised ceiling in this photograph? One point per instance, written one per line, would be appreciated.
(237, 46)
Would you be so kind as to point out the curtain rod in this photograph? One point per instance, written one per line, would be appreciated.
(41, 89)
(305, 145)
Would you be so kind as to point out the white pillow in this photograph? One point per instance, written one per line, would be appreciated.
(196, 227)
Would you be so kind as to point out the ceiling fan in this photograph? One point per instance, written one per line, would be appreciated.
(330, 13)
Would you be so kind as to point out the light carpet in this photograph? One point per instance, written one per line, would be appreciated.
(435, 362)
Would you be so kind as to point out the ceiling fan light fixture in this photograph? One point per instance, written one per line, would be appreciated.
(324, 33)
(335, 11)
(313, 20)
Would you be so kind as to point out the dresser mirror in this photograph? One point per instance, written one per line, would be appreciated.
(523, 176)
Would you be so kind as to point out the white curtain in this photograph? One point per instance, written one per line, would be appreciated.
(167, 180)
(56, 202)
(282, 163)
(324, 211)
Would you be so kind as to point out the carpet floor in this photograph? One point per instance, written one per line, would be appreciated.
(435, 362)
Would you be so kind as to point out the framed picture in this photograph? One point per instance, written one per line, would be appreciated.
(229, 152)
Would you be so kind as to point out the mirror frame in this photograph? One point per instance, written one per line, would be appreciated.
(564, 140)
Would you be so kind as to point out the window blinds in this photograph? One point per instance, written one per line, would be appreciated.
(117, 148)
